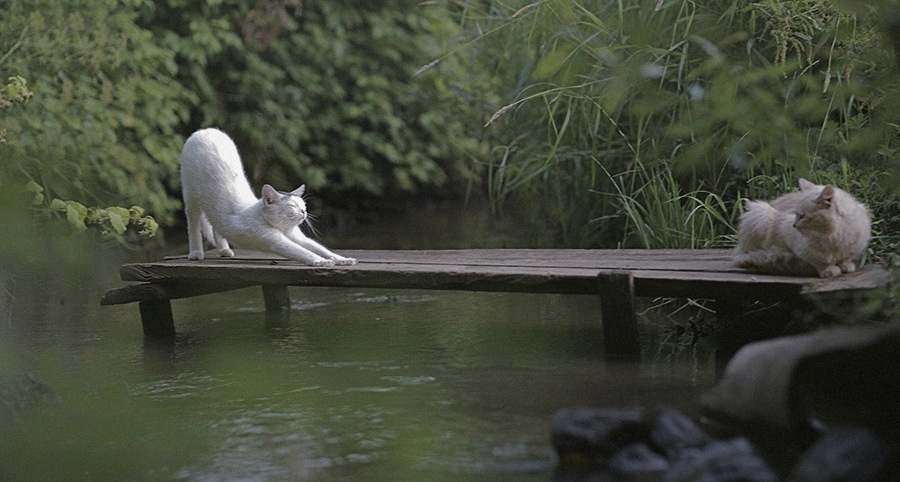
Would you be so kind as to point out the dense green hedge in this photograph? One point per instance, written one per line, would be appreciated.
(102, 124)
(322, 93)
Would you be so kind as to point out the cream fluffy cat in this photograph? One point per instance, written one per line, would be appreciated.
(817, 230)
(221, 206)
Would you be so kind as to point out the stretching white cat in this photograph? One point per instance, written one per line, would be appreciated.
(221, 206)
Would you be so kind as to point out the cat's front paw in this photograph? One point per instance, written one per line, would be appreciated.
(342, 261)
(829, 271)
(226, 253)
(323, 263)
(847, 267)
(195, 255)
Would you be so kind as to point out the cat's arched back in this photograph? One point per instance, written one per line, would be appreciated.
(221, 206)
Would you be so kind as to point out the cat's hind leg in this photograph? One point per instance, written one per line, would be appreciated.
(195, 227)
(214, 238)
(223, 247)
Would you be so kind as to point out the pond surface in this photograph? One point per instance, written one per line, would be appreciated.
(355, 385)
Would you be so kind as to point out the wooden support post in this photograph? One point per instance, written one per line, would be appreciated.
(277, 299)
(156, 318)
(620, 335)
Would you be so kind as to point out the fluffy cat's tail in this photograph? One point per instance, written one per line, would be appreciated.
(755, 226)
(757, 248)
(774, 261)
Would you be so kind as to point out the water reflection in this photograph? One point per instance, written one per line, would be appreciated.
(351, 385)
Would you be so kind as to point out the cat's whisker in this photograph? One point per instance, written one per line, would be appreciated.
(309, 225)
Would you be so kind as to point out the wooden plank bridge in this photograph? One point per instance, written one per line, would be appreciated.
(616, 276)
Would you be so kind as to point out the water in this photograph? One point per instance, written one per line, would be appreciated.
(355, 385)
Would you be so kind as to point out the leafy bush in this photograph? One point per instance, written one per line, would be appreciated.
(322, 93)
(317, 93)
(101, 126)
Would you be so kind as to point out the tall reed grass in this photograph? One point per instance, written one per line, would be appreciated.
(642, 122)
(659, 214)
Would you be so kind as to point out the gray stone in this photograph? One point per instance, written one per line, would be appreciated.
(839, 376)
(673, 432)
(596, 434)
(726, 461)
(638, 462)
(843, 454)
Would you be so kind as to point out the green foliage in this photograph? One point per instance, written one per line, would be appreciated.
(111, 223)
(323, 93)
(658, 215)
(16, 92)
(317, 93)
(705, 95)
(101, 126)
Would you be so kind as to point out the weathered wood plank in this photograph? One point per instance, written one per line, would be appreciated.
(169, 290)
(620, 275)
(626, 259)
(575, 278)
(867, 278)
(672, 273)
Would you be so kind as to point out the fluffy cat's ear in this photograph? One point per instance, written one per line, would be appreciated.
(826, 197)
(299, 191)
(269, 194)
(806, 185)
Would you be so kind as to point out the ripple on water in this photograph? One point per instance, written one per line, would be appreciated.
(409, 380)
(184, 385)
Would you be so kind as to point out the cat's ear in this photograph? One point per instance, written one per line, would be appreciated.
(299, 191)
(806, 185)
(269, 194)
(826, 197)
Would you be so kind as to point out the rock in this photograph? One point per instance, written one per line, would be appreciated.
(673, 432)
(721, 461)
(843, 454)
(638, 462)
(592, 435)
(838, 376)
(653, 445)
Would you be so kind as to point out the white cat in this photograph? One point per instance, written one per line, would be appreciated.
(817, 230)
(221, 206)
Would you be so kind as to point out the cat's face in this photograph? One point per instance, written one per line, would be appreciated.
(284, 210)
(814, 213)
